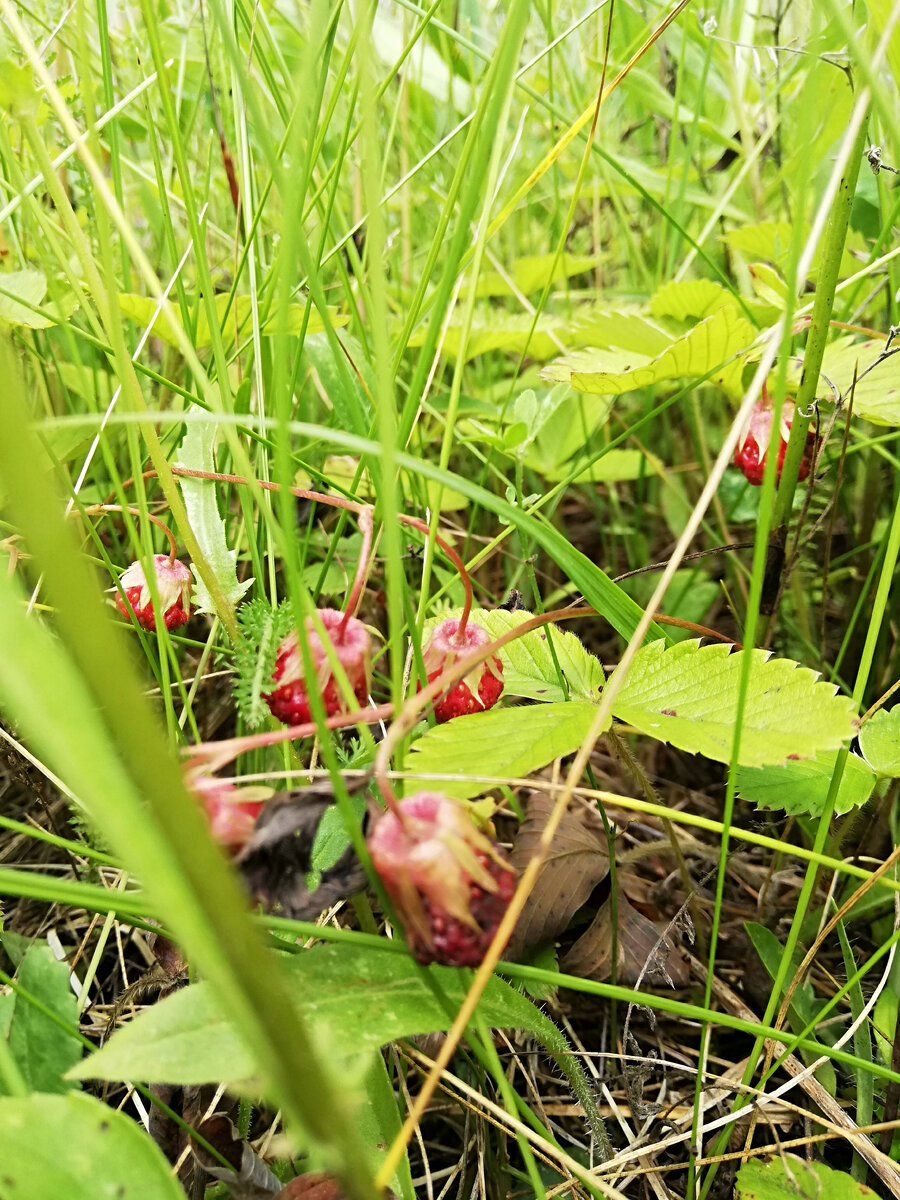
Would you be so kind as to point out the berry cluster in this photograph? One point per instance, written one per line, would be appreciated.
(448, 882)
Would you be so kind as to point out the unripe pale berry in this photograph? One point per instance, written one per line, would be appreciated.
(173, 585)
(289, 699)
(480, 688)
(753, 446)
(449, 883)
(231, 811)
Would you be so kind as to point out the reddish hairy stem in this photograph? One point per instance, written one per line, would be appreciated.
(91, 509)
(362, 569)
(216, 754)
(353, 506)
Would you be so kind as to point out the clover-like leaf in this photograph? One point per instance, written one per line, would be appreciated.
(688, 695)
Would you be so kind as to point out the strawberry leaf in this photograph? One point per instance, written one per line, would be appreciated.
(879, 740)
(500, 744)
(688, 695)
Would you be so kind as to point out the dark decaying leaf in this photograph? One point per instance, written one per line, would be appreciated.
(643, 946)
(249, 1178)
(276, 861)
(577, 862)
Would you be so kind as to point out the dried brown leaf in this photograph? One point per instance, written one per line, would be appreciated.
(577, 862)
(642, 947)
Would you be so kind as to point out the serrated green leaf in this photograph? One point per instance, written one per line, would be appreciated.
(30, 286)
(528, 666)
(802, 787)
(790, 1178)
(622, 327)
(77, 1147)
(876, 397)
(197, 454)
(710, 344)
(684, 298)
(688, 695)
(879, 740)
(43, 1050)
(357, 997)
(142, 308)
(504, 743)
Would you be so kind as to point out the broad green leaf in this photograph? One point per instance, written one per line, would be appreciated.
(141, 309)
(76, 1147)
(30, 286)
(876, 397)
(771, 241)
(688, 696)
(531, 273)
(614, 467)
(709, 345)
(358, 998)
(197, 453)
(497, 329)
(528, 666)
(802, 786)
(681, 299)
(43, 1050)
(788, 1177)
(803, 1008)
(624, 327)
(501, 744)
(879, 740)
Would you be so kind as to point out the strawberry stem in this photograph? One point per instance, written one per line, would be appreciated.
(92, 509)
(362, 571)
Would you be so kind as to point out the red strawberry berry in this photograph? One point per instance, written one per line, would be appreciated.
(173, 585)
(289, 700)
(477, 690)
(449, 883)
(753, 445)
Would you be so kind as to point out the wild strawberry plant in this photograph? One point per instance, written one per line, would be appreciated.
(320, 334)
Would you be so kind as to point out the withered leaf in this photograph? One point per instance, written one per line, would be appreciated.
(577, 862)
(278, 857)
(641, 943)
(249, 1178)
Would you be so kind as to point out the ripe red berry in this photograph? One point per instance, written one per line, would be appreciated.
(449, 883)
(173, 585)
(753, 446)
(480, 688)
(289, 699)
